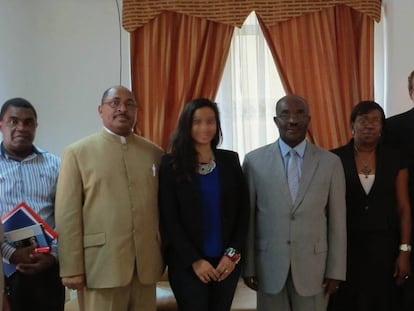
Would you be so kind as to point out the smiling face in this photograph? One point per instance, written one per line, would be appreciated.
(292, 119)
(204, 126)
(118, 111)
(18, 127)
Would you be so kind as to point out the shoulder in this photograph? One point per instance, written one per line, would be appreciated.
(389, 151)
(226, 154)
(51, 158)
(395, 121)
(146, 143)
(342, 150)
(47, 155)
(84, 142)
(324, 155)
(166, 163)
(48, 159)
(262, 151)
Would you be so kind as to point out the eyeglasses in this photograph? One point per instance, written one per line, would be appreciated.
(284, 116)
(364, 121)
(116, 103)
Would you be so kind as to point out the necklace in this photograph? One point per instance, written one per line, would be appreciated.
(206, 168)
(366, 170)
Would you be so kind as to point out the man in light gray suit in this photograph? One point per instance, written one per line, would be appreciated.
(296, 247)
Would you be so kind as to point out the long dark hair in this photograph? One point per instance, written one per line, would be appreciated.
(183, 152)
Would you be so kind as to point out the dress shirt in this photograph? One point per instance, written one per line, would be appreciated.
(32, 180)
(300, 152)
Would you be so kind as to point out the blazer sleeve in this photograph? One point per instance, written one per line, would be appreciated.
(249, 251)
(68, 216)
(336, 261)
(173, 233)
(241, 199)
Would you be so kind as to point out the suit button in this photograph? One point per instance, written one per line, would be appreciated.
(366, 207)
(288, 242)
(292, 217)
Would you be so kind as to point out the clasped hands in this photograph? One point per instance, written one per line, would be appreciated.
(29, 262)
(206, 272)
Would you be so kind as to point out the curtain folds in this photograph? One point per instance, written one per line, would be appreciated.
(326, 57)
(175, 58)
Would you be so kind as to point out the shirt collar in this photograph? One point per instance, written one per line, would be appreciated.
(36, 151)
(299, 148)
(121, 138)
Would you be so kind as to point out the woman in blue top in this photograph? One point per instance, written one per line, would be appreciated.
(204, 211)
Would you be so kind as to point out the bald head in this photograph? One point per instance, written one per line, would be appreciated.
(113, 89)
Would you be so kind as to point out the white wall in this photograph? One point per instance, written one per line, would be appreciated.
(61, 55)
(399, 56)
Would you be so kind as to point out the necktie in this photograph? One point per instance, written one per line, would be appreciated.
(293, 174)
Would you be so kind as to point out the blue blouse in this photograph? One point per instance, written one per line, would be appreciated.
(210, 196)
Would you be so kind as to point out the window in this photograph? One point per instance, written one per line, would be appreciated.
(249, 90)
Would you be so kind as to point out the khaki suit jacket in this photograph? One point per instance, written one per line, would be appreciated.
(106, 210)
(306, 237)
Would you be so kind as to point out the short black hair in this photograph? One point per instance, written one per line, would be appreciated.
(294, 98)
(16, 102)
(364, 107)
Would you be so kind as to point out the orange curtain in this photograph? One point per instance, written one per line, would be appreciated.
(174, 59)
(326, 57)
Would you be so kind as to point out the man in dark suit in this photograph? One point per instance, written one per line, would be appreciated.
(399, 133)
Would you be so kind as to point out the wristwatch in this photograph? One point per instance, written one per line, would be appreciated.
(233, 254)
(405, 247)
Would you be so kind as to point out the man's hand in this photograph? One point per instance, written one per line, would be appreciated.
(331, 286)
(22, 255)
(205, 271)
(39, 262)
(74, 282)
(251, 282)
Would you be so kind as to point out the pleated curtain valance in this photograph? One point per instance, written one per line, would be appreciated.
(137, 13)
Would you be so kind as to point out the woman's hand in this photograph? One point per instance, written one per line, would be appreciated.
(225, 267)
(205, 271)
(402, 267)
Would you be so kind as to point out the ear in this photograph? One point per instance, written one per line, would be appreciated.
(100, 110)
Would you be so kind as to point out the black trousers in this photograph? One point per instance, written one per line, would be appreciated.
(40, 292)
(192, 294)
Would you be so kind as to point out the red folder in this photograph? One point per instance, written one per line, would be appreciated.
(22, 216)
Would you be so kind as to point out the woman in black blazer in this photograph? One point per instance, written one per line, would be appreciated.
(378, 216)
(204, 211)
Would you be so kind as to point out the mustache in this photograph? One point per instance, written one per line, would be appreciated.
(123, 114)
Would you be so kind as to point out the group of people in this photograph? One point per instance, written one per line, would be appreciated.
(307, 228)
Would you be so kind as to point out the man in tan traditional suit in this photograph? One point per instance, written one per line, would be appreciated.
(106, 212)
